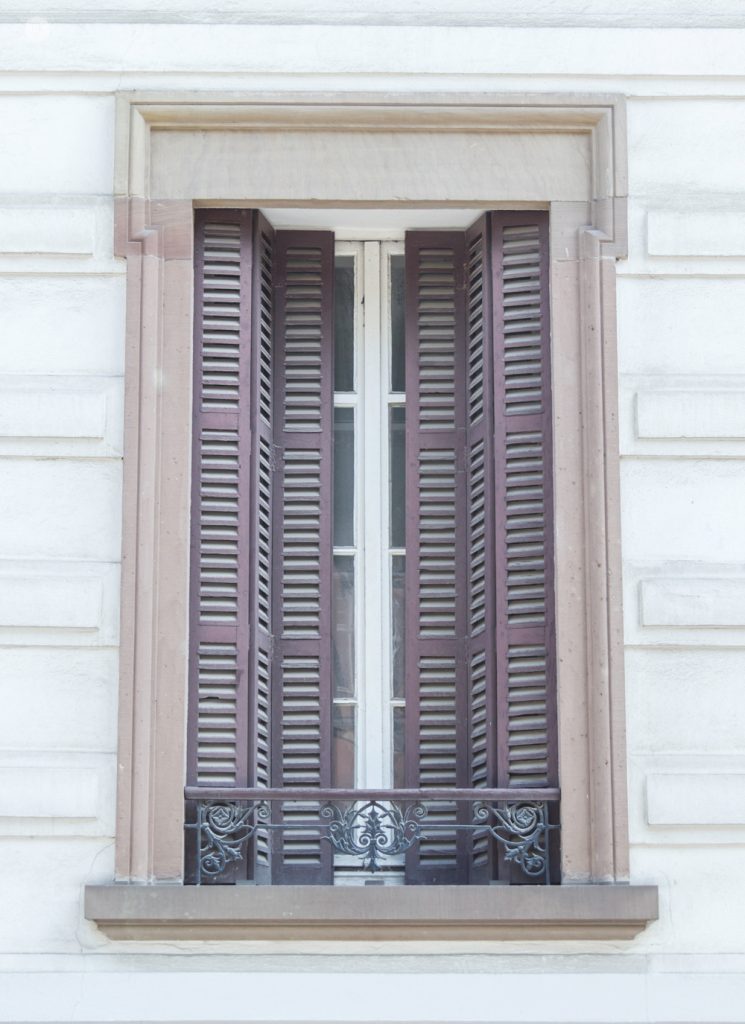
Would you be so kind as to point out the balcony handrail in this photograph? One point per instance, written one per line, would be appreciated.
(511, 795)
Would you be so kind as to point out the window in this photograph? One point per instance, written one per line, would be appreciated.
(372, 686)
(175, 152)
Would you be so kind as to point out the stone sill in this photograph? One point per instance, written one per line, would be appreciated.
(165, 911)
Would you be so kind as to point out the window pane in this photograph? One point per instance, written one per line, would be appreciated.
(398, 347)
(399, 747)
(342, 754)
(343, 626)
(398, 475)
(398, 566)
(343, 477)
(344, 323)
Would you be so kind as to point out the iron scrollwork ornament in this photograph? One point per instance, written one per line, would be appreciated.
(373, 831)
(224, 830)
(522, 830)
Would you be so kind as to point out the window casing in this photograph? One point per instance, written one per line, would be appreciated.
(514, 141)
(274, 386)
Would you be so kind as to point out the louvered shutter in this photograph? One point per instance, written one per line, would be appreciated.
(510, 549)
(230, 628)
(480, 692)
(525, 639)
(436, 682)
(480, 516)
(301, 685)
(262, 512)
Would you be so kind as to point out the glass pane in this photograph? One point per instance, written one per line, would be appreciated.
(342, 753)
(343, 478)
(343, 626)
(398, 346)
(344, 323)
(398, 475)
(399, 747)
(398, 566)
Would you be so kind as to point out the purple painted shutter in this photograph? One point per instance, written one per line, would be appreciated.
(262, 510)
(510, 557)
(230, 628)
(481, 491)
(511, 638)
(480, 688)
(301, 677)
(436, 603)
(525, 637)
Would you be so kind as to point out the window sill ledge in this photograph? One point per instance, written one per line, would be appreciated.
(163, 911)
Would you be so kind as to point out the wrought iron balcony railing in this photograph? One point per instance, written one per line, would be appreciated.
(373, 830)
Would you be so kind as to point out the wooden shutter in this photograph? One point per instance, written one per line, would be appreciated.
(481, 499)
(436, 695)
(301, 686)
(262, 514)
(230, 626)
(525, 638)
(480, 689)
(510, 549)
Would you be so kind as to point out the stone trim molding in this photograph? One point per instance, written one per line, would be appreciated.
(143, 119)
(371, 913)
(584, 188)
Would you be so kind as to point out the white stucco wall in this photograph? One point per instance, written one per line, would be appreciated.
(681, 311)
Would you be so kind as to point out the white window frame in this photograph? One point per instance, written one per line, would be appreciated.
(372, 400)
